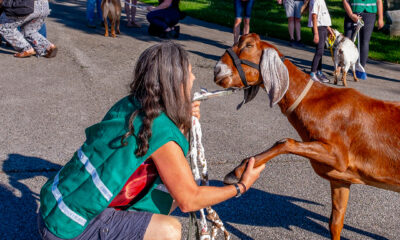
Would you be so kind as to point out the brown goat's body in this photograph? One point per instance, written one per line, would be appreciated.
(348, 137)
(366, 132)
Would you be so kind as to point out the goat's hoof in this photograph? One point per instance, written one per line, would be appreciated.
(231, 178)
(106, 35)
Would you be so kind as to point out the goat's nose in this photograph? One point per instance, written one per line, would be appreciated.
(217, 69)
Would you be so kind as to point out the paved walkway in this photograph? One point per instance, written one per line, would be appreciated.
(47, 103)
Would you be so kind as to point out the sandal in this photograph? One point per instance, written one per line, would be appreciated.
(25, 54)
(51, 52)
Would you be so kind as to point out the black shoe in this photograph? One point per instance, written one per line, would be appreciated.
(176, 32)
(292, 43)
(299, 44)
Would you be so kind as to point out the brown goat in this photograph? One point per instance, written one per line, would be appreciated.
(348, 137)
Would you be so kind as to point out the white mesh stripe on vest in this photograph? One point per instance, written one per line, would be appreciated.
(363, 4)
(95, 176)
(62, 206)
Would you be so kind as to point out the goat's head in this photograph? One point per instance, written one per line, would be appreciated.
(272, 73)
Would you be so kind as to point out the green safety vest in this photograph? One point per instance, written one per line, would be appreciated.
(359, 6)
(87, 184)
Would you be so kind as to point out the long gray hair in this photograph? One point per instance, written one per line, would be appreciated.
(160, 83)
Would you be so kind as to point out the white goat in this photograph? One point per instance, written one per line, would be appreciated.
(345, 56)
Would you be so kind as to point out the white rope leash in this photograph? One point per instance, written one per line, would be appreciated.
(197, 155)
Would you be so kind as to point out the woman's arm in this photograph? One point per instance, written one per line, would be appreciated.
(349, 11)
(380, 13)
(315, 28)
(163, 5)
(177, 176)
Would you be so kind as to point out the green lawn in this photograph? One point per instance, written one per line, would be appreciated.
(269, 19)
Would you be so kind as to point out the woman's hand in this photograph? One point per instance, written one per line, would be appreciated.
(316, 38)
(251, 174)
(355, 17)
(150, 8)
(196, 109)
(380, 23)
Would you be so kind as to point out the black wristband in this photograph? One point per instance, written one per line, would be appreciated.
(238, 193)
(244, 187)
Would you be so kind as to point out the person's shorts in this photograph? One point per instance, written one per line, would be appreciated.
(110, 224)
(293, 8)
(243, 5)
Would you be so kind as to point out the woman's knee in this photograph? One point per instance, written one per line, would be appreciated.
(172, 229)
(163, 227)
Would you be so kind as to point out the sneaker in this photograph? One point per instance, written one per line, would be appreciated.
(322, 77)
(314, 77)
(361, 75)
(176, 31)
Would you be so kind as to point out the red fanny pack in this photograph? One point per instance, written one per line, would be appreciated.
(140, 180)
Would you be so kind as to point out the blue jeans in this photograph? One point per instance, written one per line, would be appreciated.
(43, 30)
(90, 7)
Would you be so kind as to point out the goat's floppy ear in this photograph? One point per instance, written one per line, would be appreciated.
(275, 75)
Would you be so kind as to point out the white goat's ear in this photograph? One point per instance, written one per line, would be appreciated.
(275, 75)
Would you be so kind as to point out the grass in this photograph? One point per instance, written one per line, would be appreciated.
(269, 19)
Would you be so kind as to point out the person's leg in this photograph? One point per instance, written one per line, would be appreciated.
(298, 29)
(246, 23)
(31, 28)
(133, 16)
(236, 30)
(99, 11)
(297, 18)
(365, 35)
(348, 27)
(322, 33)
(43, 30)
(246, 26)
(291, 23)
(163, 227)
(10, 33)
(319, 51)
(90, 6)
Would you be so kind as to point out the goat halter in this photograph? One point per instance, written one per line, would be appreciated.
(238, 64)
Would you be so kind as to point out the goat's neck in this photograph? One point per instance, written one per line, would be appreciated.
(297, 82)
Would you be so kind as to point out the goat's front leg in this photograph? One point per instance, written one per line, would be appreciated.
(318, 151)
(340, 195)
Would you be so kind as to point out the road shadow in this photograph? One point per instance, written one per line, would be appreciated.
(18, 202)
(260, 208)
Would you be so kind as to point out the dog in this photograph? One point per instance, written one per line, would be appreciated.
(345, 56)
(112, 10)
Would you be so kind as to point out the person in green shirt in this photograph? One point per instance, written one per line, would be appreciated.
(365, 10)
(131, 171)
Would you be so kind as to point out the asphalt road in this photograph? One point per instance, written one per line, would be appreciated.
(47, 103)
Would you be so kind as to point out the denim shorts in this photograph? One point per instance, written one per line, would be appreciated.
(108, 225)
(293, 8)
(243, 5)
